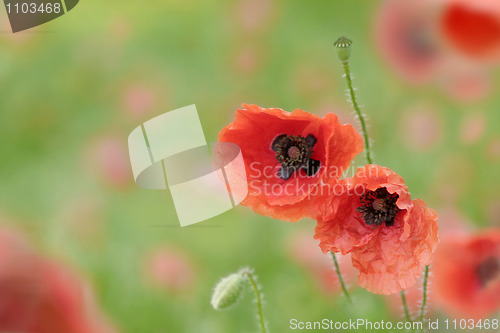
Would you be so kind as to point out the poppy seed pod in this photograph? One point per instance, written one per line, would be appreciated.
(343, 46)
(228, 291)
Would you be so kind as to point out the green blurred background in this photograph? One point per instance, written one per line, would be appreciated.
(72, 90)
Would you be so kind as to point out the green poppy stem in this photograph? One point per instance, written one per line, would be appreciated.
(358, 111)
(343, 46)
(258, 300)
(424, 298)
(405, 306)
(341, 279)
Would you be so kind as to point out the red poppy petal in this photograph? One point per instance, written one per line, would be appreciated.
(372, 177)
(341, 229)
(344, 145)
(254, 130)
(388, 265)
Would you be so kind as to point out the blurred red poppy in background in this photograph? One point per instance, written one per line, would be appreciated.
(39, 296)
(391, 238)
(467, 275)
(107, 157)
(405, 36)
(287, 154)
(139, 101)
(472, 27)
(451, 42)
(170, 269)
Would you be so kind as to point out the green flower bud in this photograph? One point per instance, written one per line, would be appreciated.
(228, 291)
(343, 46)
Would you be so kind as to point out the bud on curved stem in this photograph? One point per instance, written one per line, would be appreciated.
(230, 290)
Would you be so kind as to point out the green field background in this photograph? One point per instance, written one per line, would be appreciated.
(63, 87)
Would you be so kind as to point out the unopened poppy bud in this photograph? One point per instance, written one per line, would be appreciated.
(228, 291)
(343, 46)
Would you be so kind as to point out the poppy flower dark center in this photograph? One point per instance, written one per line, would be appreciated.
(418, 43)
(489, 270)
(379, 207)
(294, 153)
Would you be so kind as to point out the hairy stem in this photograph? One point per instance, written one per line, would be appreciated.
(358, 111)
(405, 306)
(341, 280)
(258, 300)
(424, 298)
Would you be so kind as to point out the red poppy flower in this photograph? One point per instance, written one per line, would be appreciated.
(473, 27)
(404, 36)
(467, 275)
(391, 238)
(287, 155)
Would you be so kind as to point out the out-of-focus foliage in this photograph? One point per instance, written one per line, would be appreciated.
(73, 89)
